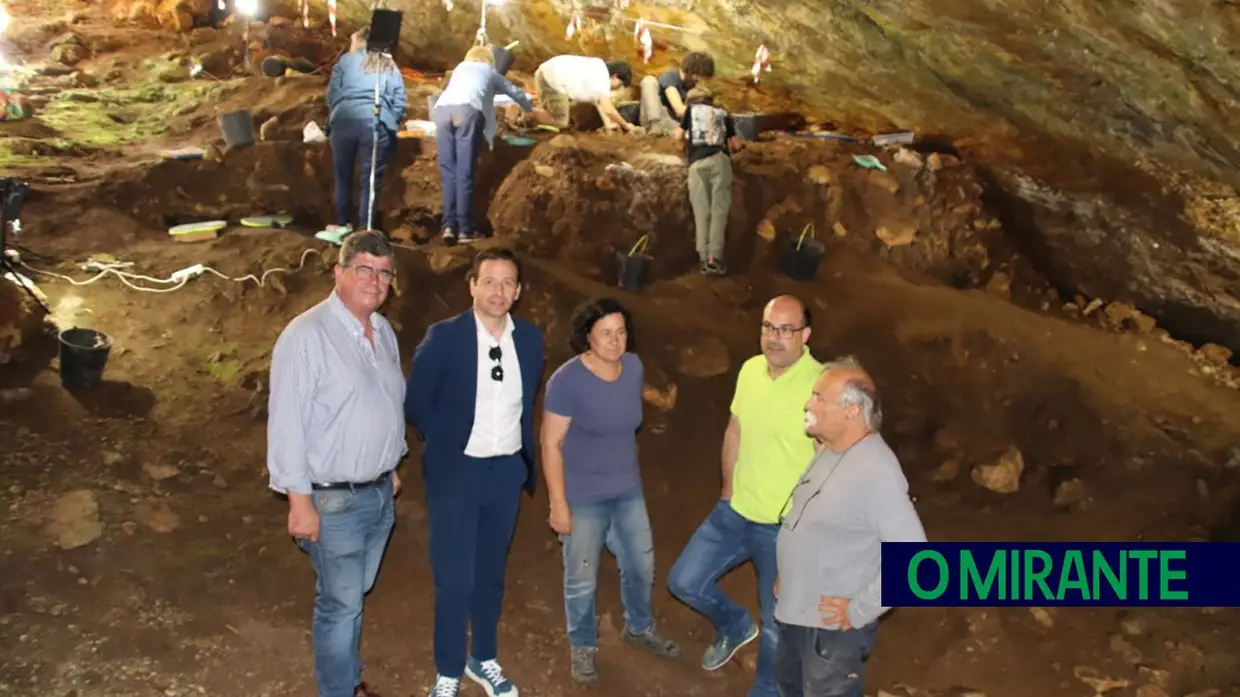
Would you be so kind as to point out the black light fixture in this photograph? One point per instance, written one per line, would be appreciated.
(384, 31)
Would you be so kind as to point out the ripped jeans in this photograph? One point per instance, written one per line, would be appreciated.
(815, 662)
(623, 526)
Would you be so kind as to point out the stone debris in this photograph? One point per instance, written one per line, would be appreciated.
(1069, 493)
(1096, 680)
(157, 515)
(74, 519)
(946, 471)
(160, 471)
(663, 400)
(1043, 616)
(1002, 476)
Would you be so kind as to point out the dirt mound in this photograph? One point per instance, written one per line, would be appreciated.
(582, 199)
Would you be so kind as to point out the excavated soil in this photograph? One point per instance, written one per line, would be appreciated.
(144, 555)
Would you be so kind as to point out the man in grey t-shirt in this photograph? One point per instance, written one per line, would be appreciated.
(852, 497)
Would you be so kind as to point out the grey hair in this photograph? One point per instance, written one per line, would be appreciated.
(858, 393)
(370, 242)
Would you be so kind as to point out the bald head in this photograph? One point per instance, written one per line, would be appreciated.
(844, 407)
(785, 331)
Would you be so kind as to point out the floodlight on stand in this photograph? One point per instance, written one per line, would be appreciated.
(384, 31)
(481, 37)
(4, 23)
(248, 8)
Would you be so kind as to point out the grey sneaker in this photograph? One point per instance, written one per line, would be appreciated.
(583, 665)
(653, 642)
(724, 648)
(714, 267)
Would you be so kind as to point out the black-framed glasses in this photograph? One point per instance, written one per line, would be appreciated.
(368, 272)
(785, 331)
(497, 370)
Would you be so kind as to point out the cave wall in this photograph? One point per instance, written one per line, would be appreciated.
(1107, 130)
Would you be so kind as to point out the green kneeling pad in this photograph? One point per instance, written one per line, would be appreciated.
(274, 221)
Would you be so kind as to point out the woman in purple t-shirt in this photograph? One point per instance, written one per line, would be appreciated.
(589, 446)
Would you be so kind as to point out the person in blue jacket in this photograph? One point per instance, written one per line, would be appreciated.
(464, 116)
(354, 128)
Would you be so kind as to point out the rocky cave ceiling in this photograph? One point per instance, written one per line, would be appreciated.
(1109, 130)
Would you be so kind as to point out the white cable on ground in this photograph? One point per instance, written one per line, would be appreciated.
(179, 278)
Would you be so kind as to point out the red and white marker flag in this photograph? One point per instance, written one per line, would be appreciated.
(647, 45)
(331, 15)
(305, 13)
(574, 26)
(761, 62)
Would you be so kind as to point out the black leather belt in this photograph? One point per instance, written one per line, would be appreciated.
(353, 485)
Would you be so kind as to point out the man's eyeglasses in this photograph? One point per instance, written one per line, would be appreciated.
(784, 331)
(368, 272)
(497, 370)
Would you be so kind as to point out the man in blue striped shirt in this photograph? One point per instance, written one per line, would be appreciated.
(335, 434)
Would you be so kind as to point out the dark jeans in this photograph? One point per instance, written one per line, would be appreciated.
(351, 139)
(458, 135)
(471, 524)
(725, 540)
(815, 662)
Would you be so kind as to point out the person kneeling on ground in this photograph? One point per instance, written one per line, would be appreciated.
(562, 80)
(353, 127)
(709, 140)
(461, 123)
(663, 98)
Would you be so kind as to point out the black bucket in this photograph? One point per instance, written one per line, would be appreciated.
(634, 269)
(746, 126)
(801, 264)
(238, 128)
(503, 59)
(83, 355)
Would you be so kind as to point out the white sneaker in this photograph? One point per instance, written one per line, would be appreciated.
(445, 687)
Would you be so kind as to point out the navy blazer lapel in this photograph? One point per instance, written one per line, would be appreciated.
(469, 347)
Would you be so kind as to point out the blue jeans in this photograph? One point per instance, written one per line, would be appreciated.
(816, 662)
(471, 524)
(354, 527)
(350, 139)
(722, 542)
(623, 525)
(458, 135)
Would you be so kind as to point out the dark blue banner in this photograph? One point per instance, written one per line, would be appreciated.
(1065, 574)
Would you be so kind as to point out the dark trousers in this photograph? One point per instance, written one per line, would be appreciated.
(815, 662)
(458, 135)
(473, 511)
(351, 139)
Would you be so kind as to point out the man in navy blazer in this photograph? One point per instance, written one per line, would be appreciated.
(471, 398)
